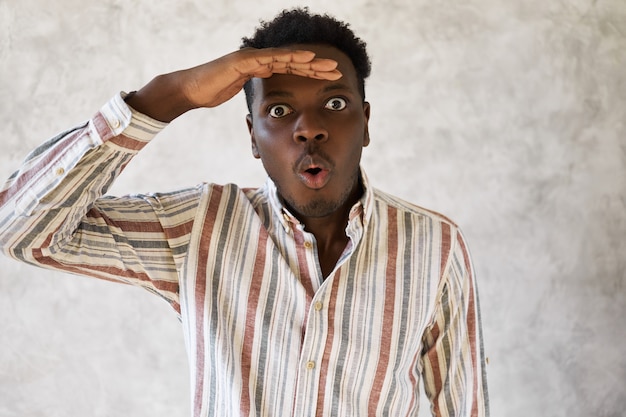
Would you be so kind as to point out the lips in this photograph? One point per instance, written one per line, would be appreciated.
(314, 171)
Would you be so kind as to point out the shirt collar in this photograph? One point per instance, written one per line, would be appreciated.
(360, 212)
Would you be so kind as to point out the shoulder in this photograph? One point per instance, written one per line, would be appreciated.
(202, 194)
(235, 198)
(406, 208)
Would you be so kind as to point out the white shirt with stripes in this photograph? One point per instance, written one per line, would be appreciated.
(266, 333)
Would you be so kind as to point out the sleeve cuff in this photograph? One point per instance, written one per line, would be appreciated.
(119, 123)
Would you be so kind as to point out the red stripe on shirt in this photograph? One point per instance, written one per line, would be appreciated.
(200, 292)
(248, 339)
(471, 325)
(388, 312)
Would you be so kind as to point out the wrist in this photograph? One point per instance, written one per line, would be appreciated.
(162, 99)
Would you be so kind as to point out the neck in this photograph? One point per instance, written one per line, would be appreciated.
(331, 227)
(330, 235)
(330, 231)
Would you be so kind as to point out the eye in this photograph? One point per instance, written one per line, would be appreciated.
(336, 104)
(279, 110)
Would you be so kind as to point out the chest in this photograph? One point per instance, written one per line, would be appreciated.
(263, 326)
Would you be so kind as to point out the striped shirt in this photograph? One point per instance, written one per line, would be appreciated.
(266, 333)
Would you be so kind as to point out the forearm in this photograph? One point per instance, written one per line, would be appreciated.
(53, 215)
(60, 180)
(210, 84)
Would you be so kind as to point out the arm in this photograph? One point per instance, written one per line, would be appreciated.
(168, 96)
(52, 212)
(453, 358)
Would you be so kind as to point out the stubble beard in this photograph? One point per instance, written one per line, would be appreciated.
(319, 206)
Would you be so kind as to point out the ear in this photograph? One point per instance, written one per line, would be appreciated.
(366, 113)
(255, 150)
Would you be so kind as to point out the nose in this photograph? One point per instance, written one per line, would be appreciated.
(309, 127)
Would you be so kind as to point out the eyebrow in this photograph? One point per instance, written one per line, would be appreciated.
(288, 94)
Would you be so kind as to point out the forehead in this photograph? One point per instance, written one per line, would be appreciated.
(262, 86)
(330, 52)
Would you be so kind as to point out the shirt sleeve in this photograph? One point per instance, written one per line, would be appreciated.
(53, 215)
(453, 357)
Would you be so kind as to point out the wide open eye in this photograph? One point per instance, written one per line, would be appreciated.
(336, 104)
(279, 110)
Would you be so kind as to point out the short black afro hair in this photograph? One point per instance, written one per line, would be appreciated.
(298, 26)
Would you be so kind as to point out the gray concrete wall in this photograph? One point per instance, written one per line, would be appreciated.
(508, 116)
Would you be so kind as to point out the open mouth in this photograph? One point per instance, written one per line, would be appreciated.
(314, 171)
(315, 177)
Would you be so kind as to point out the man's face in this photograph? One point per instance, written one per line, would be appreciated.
(309, 135)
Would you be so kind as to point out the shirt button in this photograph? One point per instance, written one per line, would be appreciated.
(308, 245)
(60, 171)
(310, 365)
(116, 123)
(318, 305)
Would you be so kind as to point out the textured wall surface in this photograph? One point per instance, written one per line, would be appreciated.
(510, 117)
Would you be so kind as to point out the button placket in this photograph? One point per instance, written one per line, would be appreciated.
(312, 352)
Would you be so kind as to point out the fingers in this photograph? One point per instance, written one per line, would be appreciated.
(311, 70)
(287, 55)
(295, 62)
